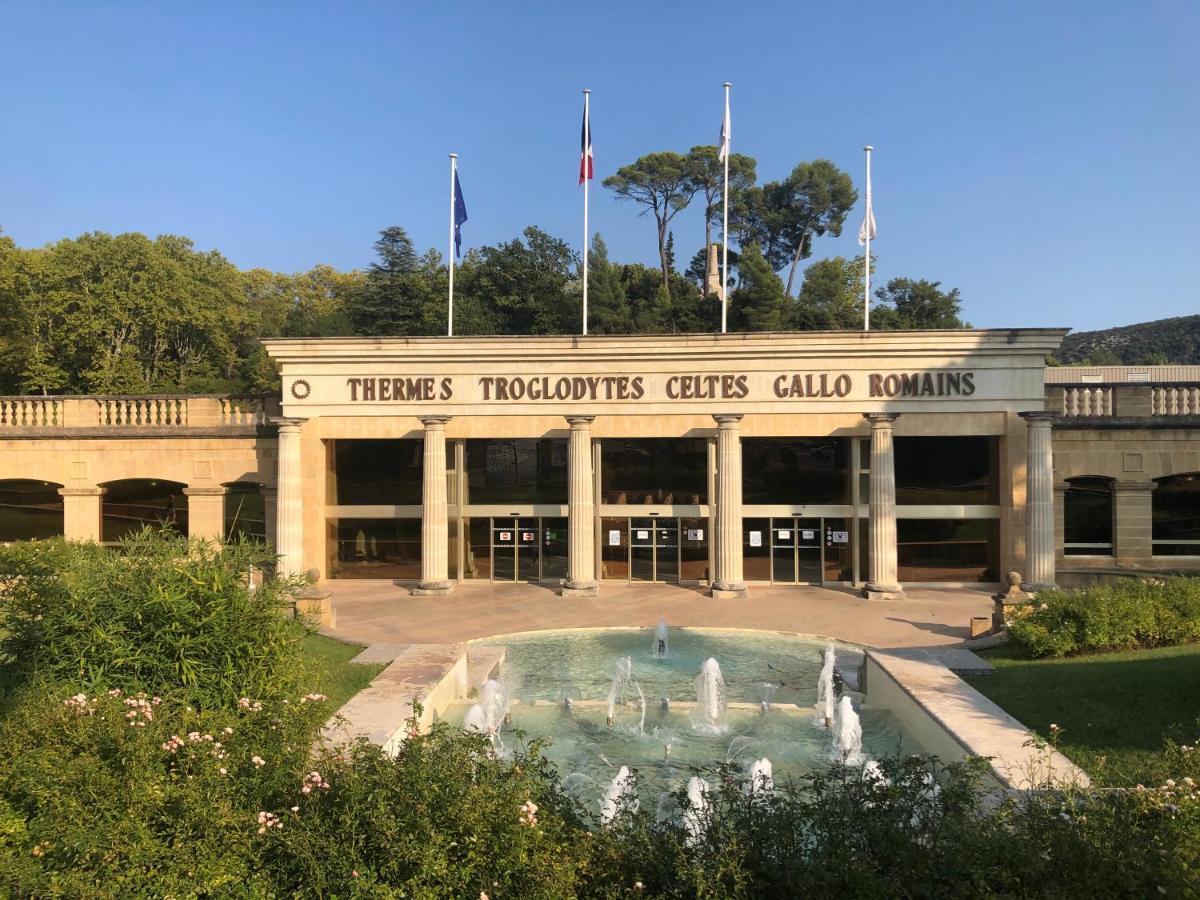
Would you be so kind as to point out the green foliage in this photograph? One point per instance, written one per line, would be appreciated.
(922, 304)
(1161, 342)
(831, 295)
(159, 614)
(530, 286)
(608, 307)
(759, 304)
(1121, 615)
(708, 175)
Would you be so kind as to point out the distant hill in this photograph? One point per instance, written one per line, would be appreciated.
(1163, 342)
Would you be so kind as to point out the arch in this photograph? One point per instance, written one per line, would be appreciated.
(245, 511)
(1176, 515)
(129, 504)
(1088, 516)
(30, 509)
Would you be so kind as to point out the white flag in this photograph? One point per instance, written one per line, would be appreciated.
(866, 231)
(725, 133)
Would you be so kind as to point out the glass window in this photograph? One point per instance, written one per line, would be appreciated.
(130, 505)
(947, 549)
(946, 470)
(1088, 516)
(517, 471)
(1176, 515)
(795, 470)
(30, 510)
(655, 470)
(378, 472)
(378, 548)
(245, 512)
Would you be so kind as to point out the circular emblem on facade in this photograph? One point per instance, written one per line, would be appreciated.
(301, 389)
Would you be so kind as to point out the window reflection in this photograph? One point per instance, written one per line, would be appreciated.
(795, 470)
(946, 470)
(378, 472)
(655, 471)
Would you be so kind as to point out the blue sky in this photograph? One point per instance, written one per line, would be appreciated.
(1038, 156)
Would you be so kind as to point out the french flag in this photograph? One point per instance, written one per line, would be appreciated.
(585, 152)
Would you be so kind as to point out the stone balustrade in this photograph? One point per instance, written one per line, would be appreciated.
(1101, 401)
(135, 412)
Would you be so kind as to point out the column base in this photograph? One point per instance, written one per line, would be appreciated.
(883, 592)
(727, 591)
(433, 589)
(1030, 587)
(580, 589)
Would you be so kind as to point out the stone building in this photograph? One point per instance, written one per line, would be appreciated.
(876, 460)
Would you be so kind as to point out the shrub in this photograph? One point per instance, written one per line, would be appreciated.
(159, 614)
(1122, 615)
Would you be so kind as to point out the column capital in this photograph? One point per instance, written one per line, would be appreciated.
(434, 422)
(879, 420)
(581, 422)
(208, 490)
(91, 491)
(1042, 418)
(728, 420)
(288, 423)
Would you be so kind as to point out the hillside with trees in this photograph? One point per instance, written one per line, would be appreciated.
(1162, 342)
(126, 313)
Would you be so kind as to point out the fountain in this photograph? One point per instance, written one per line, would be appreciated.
(873, 773)
(622, 683)
(825, 691)
(711, 702)
(494, 700)
(660, 638)
(765, 690)
(621, 795)
(847, 734)
(666, 737)
(762, 778)
(475, 720)
(695, 818)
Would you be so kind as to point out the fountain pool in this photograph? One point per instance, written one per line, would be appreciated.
(655, 729)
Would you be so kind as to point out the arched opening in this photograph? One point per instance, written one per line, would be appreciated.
(1176, 516)
(245, 511)
(132, 503)
(1088, 516)
(30, 510)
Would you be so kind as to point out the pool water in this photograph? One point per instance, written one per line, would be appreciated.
(542, 669)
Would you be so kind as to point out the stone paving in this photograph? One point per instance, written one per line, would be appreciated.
(381, 612)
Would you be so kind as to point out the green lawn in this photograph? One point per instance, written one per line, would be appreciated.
(333, 674)
(1115, 710)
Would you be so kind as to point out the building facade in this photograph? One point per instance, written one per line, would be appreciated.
(877, 460)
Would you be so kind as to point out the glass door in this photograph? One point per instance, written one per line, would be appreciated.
(809, 568)
(666, 550)
(783, 551)
(554, 549)
(693, 550)
(528, 550)
(504, 550)
(641, 549)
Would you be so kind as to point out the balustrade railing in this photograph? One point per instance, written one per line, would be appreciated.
(135, 412)
(1085, 400)
(1175, 400)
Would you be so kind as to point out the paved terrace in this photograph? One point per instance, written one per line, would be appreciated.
(375, 612)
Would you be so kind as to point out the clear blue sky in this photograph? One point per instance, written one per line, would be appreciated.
(1039, 156)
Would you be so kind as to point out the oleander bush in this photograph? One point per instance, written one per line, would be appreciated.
(159, 613)
(1122, 615)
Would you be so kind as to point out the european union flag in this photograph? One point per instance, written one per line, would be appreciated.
(460, 215)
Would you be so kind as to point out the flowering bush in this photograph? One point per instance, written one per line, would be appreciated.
(161, 614)
(1122, 615)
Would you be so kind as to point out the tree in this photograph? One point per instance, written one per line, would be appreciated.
(831, 296)
(811, 202)
(608, 307)
(663, 183)
(905, 303)
(398, 297)
(760, 303)
(531, 286)
(708, 176)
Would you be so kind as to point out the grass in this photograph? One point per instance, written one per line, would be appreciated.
(332, 672)
(1116, 710)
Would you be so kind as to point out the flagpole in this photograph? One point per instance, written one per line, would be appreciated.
(587, 118)
(725, 217)
(450, 316)
(867, 249)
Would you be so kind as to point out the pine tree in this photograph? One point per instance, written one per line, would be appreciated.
(760, 304)
(608, 307)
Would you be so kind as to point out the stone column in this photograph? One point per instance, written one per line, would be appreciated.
(1039, 502)
(1133, 523)
(82, 513)
(581, 542)
(435, 580)
(883, 584)
(727, 533)
(289, 511)
(206, 512)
